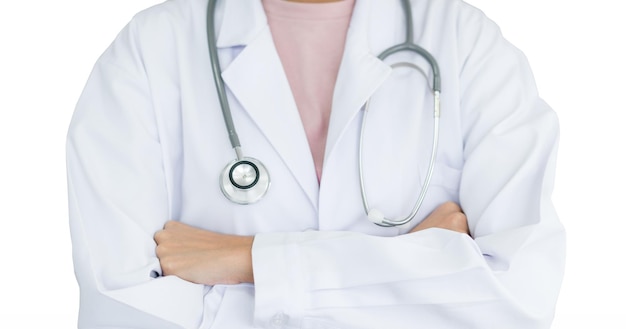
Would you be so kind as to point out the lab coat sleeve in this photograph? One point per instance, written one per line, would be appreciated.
(118, 199)
(507, 276)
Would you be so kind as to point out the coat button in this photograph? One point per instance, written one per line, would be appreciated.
(279, 320)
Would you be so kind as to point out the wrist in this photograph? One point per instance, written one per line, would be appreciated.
(245, 259)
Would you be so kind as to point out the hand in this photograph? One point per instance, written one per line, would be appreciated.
(447, 216)
(205, 257)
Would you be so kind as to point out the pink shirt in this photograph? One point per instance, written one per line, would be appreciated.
(310, 39)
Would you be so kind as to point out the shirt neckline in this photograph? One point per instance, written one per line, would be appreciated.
(308, 10)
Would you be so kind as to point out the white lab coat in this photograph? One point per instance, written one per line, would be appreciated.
(147, 144)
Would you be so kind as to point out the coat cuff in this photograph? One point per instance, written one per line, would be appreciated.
(279, 279)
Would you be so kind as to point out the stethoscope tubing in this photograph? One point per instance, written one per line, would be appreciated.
(375, 215)
(219, 82)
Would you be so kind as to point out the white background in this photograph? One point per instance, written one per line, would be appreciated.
(47, 49)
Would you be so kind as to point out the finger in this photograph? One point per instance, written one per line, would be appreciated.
(161, 250)
(171, 224)
(449, 207)
(458, 222)
(158, 236)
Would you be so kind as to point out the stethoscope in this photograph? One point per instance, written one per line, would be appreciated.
(245, 180)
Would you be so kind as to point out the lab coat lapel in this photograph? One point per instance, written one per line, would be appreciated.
(257, 81)
(360, 74)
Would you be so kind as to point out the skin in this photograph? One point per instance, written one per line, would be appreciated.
(210, 258)
(202, 256)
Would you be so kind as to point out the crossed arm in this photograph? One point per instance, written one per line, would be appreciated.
(210, 258)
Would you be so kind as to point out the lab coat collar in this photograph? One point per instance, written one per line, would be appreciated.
(257, 80)
(360, 75)
(241, 21)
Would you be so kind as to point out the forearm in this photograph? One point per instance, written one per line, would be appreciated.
(204, 257)
(210, 258)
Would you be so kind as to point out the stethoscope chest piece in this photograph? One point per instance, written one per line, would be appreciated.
(245, 181)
